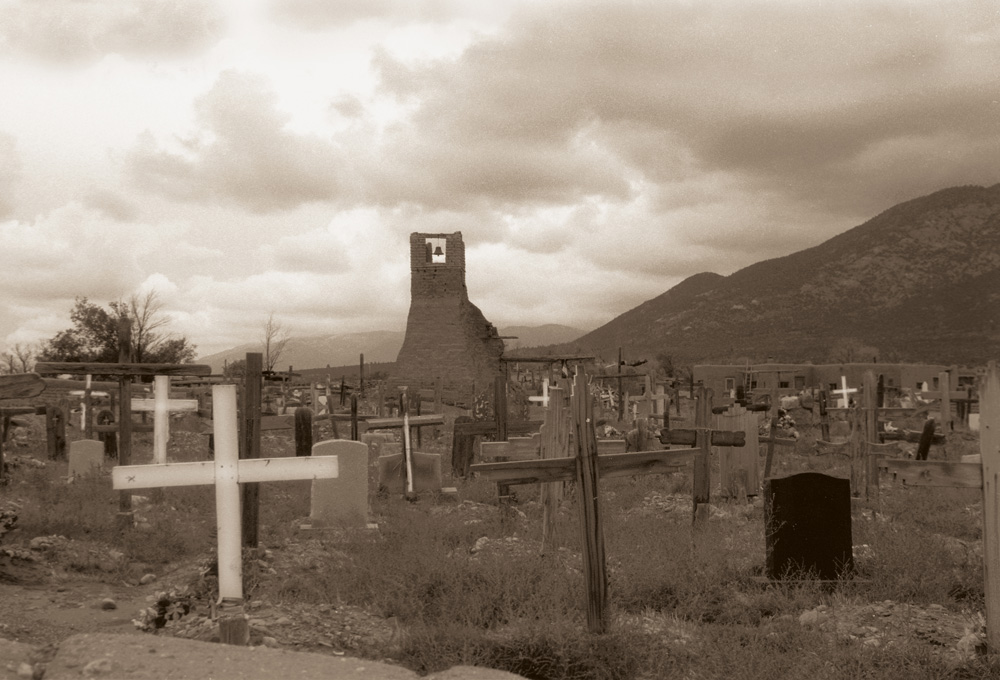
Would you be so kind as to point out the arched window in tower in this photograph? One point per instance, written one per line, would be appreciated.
(437, 250)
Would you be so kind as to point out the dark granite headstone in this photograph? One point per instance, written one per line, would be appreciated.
(808, 526)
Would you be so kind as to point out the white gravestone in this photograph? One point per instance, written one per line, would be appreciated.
(85, 457)
(342, 501)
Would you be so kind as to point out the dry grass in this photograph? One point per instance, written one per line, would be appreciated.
(685, 602)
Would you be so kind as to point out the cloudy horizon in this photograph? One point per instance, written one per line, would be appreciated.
(249, 158)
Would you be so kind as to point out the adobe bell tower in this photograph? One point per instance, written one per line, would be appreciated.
(447, 336)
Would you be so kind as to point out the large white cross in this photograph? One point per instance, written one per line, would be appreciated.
(544, 399)
(227, 472)
(161, 404)
(843, 390)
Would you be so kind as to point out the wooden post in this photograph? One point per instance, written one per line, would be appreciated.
(125, 418)
(594, 567)
(361, 375)
(500, 414)
(88, 411)
(944, 385)
(621, 395)
(770, 447)
(55, 431)
(250, 444)
(462, 449)
(926, 437)
(824, 417)
(989, 443)
(871, 436)
(702, 484)
(554, 444)
(355, 436)
(303, 431)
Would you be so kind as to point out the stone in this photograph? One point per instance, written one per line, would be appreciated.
(84, 456)
(147, 578)
(376, 441)
(426, 472)
(808, 526)
(108, 604)
(343, 500)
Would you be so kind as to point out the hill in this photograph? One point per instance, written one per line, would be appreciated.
(343, 350)
(919, 282)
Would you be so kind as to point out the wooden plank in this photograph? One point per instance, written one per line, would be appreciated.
(415, 421)
(555, 438)
(21, 386)
(285, 422)
(594, 561)
(156, 476)
(119, 369)
(689, 437)
(528, 471)
(547, 360)
(136, 427)
(644, 462)
(912, 436)
(484, 428)
(174, 405)
(702, 484)
(989, 447)
(609, 446)
(825, 447)
(935, 473)
(249, 446)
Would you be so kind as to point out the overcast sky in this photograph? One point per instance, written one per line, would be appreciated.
(249, 157)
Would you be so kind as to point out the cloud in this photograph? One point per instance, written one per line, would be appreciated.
(240, 154)
(79, 30)
(319, 14)
(112, 205)
(10, 172)
(795, 101)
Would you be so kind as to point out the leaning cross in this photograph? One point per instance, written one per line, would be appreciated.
(226, 472)
(161, 405)
(844, 391)
(544, 399)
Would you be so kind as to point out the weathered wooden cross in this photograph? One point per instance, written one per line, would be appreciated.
(984, 475)
(544, 399)
(226, 472)
(845, 392)
(587, 467)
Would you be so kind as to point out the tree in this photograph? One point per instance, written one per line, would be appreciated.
(235, 370)
(94, 335)
(275, 339)
(20, 359)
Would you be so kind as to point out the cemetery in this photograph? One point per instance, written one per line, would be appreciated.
(544, 518)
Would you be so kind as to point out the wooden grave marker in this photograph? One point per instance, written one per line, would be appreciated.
(226, 473)
(587, 467)
(161, 405)
(844, 392)
(984, 475)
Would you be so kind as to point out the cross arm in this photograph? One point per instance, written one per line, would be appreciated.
(936, 473)
(414, 421)
(21, 385)
(94, 368)
(171, 474)
(564, 469)
(690, 437)
(287, 469)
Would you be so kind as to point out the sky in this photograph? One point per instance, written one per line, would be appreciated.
(263, 157)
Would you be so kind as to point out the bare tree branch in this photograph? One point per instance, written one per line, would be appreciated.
(275, 339)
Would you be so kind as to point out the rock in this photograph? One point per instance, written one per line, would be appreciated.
(25, 670)
(269, 641)
(98, 667)
(108, 604)
(812, 617)
(147, 579)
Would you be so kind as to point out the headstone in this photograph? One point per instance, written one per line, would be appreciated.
(376, 442)
(808, 526)
(84, 456)
(342, 500)
(426, 472)
(974, 422)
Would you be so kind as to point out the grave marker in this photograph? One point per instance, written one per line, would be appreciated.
(86, 456)
(845, 401)
(807, 519)
(341, 500)
(226, 472)
(161, 405)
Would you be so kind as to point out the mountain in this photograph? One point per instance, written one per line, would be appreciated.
(536, 336)
(378, 346)
(918, 282)
(320, 350)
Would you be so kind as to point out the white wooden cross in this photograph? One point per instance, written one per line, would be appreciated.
(544, 399)
(161, 404)
(844, 391)
(226, 472)
(83, 403)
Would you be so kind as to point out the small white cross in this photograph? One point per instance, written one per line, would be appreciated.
(544, 399)
(226, 472)
(844, 400)
(161, 404)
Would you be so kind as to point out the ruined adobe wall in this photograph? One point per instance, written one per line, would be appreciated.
(446, 335)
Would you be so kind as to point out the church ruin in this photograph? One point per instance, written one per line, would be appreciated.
(447, 337)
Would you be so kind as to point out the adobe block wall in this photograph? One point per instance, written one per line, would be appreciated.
(446, 335)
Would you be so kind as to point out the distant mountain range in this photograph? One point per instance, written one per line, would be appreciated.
(378, 346)
(919, 282)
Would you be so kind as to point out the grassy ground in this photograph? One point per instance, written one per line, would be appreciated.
(466, 585)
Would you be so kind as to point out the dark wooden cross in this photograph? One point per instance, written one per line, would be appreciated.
(587, 467)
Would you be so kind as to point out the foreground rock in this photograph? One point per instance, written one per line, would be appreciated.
(145, 657)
